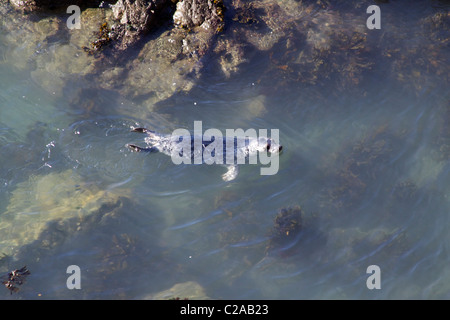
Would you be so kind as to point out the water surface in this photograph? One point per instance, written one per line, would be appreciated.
(367, 163)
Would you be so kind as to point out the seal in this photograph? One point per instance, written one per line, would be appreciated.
(243, 148)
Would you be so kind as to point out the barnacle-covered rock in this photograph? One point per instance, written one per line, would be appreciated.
(207, 14)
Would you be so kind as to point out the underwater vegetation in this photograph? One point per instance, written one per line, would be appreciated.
(359, 165)
(14, 279)
(417, 64)
(308, 43)
(287, 223)
(102, 40)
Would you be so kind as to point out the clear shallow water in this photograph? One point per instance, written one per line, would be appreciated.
(365, 165)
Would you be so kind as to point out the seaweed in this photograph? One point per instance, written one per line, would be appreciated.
(15, 278)
(321, 50)
(247, 14)
(103, 39)
(286, 228)
(426, 62)
(361, 164)
(287, 223)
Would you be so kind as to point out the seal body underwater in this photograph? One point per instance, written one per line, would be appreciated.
(243, 148)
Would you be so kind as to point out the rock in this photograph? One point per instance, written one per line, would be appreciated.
(231, 55)
(288, 223)
(25, 39)
(263, 23)
(136, 17)
(285, 233)
(168, 64)
(165, 65)
(58, 62)
(361, 164)
(52, 52)
(161, 69)
(207, 14)
(138, 14)
(44, 199)
(187, 290)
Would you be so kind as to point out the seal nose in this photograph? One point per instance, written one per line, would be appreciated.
(280, 148)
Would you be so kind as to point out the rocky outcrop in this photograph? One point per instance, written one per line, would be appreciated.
(47, 198)
(199, 13)
(136, 18)
(173, 61)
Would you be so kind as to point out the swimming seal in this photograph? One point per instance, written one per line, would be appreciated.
(243, 147)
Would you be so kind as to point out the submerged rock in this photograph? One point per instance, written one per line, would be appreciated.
(43, 199)
(170, 63)
(47, 49)
(161, 69)
(288, 223)
(423, 62)
(59, 62)
(308, 42)
(350, 246)
(231, 55)
(360, 164)
(187, 290)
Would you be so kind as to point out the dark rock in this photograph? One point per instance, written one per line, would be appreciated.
(288, 222)
(136, 17)
(285, 232)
